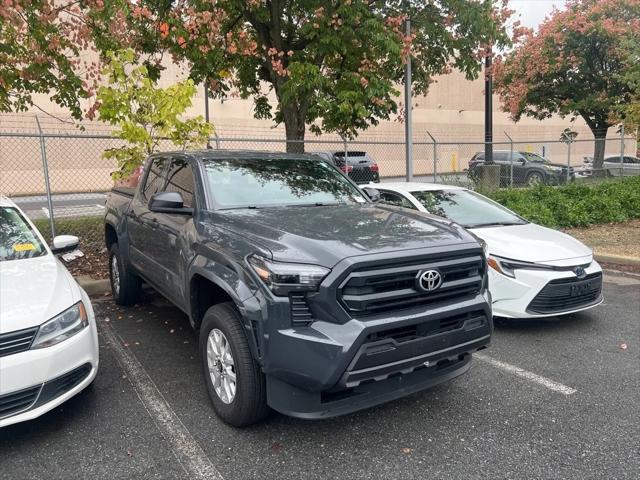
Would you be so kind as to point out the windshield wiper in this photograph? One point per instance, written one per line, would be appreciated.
(493, 224)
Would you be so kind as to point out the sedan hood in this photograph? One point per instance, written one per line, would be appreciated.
(531, 243)
(324, 235)
(34, 290)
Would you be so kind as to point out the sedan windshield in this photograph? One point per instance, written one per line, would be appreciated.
(256, 183)
(467, 208)
(17, 239)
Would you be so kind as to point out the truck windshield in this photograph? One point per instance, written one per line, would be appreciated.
(255, 183)
(17, 239)
(467, 208)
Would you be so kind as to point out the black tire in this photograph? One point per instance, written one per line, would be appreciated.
(534, 178)
(126, 291)
(249, 404)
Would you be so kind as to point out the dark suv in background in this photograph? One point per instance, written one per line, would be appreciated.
(528, 168)
(359, 165)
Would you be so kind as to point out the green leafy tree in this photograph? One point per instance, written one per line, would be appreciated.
(333, 65)
(574, 65)
(144, 113)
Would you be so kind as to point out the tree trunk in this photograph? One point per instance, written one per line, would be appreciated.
(295, 128)
(600, 135)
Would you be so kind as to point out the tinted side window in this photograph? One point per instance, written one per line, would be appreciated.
(180, 179)
(501, 156)
(395, 199)
(612, 160)
(155, 178)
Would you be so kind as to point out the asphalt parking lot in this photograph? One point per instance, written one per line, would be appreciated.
(550, 399)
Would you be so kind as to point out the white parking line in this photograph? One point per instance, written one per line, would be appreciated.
(540, 380)
(188, 452)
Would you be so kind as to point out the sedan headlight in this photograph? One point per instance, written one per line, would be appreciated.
(283, 278)
(553, 169)
(62, 327)
(508, 267)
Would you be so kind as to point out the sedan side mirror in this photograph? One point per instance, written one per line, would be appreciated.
(372, 193)
(168, 202)
(64, 243)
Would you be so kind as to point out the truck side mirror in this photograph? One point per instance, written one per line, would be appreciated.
(372, 193)
(168, 202)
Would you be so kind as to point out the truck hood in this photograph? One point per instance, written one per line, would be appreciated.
(34, 290)
(325, 235)
(531, 243)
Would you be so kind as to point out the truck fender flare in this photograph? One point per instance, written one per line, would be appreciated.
(239, 295)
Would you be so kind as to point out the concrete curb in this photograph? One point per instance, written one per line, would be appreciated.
(94, 286)
(617, 259)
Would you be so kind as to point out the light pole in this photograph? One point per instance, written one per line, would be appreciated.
(488, 106)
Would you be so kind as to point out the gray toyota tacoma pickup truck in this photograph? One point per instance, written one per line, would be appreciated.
(307, 296)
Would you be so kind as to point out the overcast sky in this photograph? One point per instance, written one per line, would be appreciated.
(532, 12)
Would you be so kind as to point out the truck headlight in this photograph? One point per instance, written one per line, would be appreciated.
(62, 327)
(283, 278)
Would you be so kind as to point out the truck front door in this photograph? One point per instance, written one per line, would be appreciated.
(145, 245)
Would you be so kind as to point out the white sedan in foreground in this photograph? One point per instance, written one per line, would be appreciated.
(534, 271)
(48, 337)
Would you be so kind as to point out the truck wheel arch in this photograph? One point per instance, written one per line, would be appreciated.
(206, 290)
(110, 235)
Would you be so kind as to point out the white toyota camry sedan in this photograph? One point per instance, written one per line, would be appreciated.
(48, 337)
(534, 271)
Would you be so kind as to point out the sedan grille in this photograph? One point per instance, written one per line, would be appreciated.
(567, 294)
(16, 342)
(395, 287)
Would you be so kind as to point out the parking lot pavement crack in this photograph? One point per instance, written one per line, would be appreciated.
(185, 448)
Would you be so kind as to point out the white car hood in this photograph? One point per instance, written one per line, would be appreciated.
(34, 290)
(532, 243)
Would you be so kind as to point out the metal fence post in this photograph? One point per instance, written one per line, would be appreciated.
(569, 160)
(435, 157)
(621, 150)
(510, 160)
(45, 172)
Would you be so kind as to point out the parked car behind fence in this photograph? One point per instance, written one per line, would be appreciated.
(528, 168)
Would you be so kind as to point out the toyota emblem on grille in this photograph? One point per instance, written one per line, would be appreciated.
(429, 280)
(580, 272)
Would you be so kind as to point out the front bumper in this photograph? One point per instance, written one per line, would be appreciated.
(327, 369)
(44, 378)
(513, 296)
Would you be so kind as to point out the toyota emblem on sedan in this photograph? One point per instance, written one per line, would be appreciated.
(429, 280)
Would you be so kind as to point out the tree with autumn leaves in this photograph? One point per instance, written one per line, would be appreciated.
(576, 64)
(333, 65)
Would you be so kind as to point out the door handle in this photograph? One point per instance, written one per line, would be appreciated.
(153, 223)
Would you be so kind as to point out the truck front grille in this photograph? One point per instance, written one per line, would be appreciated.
(395, 287)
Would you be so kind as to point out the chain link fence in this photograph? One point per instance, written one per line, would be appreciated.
(60, 179)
